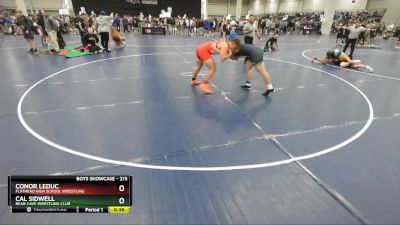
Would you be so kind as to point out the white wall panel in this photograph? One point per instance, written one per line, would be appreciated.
(392, 15)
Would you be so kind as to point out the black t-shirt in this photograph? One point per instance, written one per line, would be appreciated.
(40, 21)
(340, 33)
(81, 22)
(25, 22)
(397, 33)
(254, 53)
(361, 35)
(91, 39)
(135, 23)
(271, 41)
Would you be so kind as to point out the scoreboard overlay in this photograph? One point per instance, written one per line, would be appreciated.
(70, 194)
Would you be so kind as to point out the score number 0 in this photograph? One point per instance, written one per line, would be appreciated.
(121, 188)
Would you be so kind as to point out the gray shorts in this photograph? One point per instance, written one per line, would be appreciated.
(29, 35)
(256, 58)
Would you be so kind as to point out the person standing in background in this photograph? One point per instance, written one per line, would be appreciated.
(27, 28)
(290, 27)
(224, 28)
(263, 25)
(396, 34)
(51, 26)
(40, 22)
(103, 25)
(353, 36)
(117, 22)
(125, 23)
(267, 26)
(214, 26)
(340, 35)
(80, 24)
(250, 31)
(192, 25)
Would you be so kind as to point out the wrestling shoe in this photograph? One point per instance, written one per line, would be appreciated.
(369, 69)
(268, 91)
(246, 86)
(205, 88)
(195, 82)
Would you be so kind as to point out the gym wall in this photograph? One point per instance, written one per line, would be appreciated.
(219, 8)
(392, 15)
(179, 7)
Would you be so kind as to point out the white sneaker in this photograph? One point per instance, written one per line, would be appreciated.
(369, 69)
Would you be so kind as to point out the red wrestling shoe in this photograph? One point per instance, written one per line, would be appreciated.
(195, 82)
(206, 88)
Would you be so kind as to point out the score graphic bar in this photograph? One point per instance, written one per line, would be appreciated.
(69, 194)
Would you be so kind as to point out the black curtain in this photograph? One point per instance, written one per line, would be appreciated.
(192, 8)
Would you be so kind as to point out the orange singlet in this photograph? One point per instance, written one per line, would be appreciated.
(204, 51)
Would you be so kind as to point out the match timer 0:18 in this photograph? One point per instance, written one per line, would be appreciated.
(66, 194)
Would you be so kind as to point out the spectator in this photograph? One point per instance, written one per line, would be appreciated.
(250, 31)
(352, 38)
(91, 39)
(51, 26)
(117, 22)
(103, 25)
(27, 28)
(40, 22)
(125, 23)
(81, 25)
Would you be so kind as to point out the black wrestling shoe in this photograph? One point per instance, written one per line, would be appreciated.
(30, 50)
(246, 86)
(268, 91)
